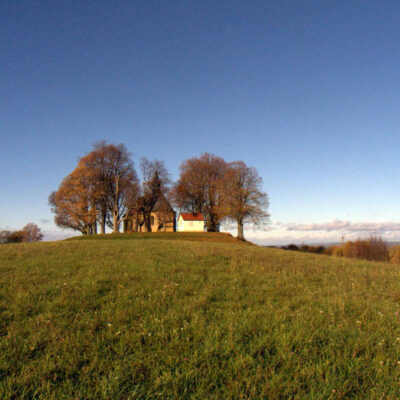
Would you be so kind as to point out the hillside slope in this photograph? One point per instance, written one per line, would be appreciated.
(166, 319)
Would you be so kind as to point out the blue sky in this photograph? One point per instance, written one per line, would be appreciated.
(308, 92)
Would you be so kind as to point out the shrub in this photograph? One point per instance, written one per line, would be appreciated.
(337, 251)
(394, 253)
(373, 249)
(16, 237)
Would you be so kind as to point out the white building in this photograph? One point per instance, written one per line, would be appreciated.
(190, 222)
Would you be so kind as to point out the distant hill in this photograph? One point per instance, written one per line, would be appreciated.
(189, 316)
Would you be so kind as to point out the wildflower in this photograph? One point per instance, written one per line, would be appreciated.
(109, 325)
(358, 322)
(321, 312)
(381, 362)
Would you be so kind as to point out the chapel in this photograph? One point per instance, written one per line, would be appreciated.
(151, 212)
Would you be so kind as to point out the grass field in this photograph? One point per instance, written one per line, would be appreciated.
(166, 319)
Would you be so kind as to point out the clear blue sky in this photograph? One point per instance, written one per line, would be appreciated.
(308, 92)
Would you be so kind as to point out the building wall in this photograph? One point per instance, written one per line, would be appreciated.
(155, 220)
(158, 219)
(190, 226)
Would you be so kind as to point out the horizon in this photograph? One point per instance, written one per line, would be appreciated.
(307, 93)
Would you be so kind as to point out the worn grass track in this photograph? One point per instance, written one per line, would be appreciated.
(164, 319)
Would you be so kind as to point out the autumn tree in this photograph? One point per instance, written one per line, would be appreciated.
(101, 188)
(74, 202)
(32, 233)
(16, 237)
(244, 199)
(200, 188)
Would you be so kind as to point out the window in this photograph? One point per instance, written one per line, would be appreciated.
(152, 220)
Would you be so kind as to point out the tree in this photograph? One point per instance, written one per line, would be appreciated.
(74, 202)
(200, 188)
(16, 237)
(101, 188)
(150, 170)
(244, 200)
(96, 167)
(120, 181)
(32, 233)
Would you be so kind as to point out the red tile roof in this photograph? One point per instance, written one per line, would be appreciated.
(192, 217)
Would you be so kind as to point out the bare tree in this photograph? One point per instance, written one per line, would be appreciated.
(121, 184)
(244, 198)
(200, 188)
(151, 169)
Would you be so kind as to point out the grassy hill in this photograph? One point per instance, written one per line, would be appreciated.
(187, 236)
(204, 319)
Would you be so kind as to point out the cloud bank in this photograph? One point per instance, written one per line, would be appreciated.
(346, 226)
(280, 233)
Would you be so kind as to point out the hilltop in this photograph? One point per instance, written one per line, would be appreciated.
(169, 317)
(215, 237)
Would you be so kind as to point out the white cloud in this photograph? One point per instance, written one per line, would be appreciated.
(280, 233)
(346, 226)
(58, 235)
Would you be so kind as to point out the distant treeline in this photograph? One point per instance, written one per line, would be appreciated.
(29, 233)
(373, 249)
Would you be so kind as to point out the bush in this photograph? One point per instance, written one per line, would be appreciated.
(394, 253)
(373, 249)
(16, 237)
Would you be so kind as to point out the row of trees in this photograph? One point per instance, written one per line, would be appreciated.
(104, 186)
(29, 233)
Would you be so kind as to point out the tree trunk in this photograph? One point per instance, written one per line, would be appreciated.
(103, 224)
(240, 234)
(115, 221)
(209, 224)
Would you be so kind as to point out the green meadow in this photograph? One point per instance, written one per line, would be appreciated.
(194, 317)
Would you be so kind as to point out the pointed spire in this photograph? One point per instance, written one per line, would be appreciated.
(156, 185)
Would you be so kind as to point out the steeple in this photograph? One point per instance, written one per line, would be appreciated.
(156, 185)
